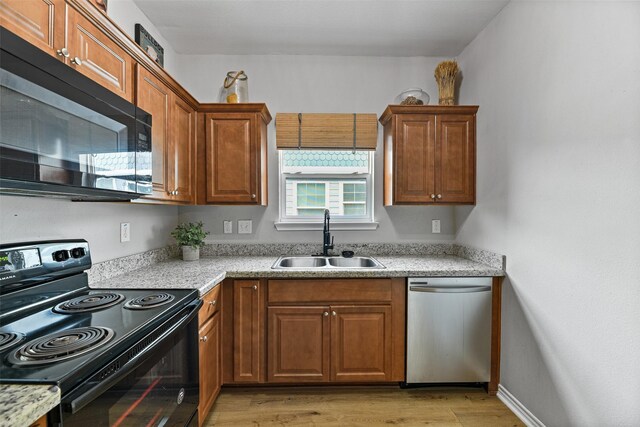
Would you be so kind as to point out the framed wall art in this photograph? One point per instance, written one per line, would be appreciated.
(149, 45)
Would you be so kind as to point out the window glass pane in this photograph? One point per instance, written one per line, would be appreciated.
(311, 212)
(324, 162)
(311, 195)
(354, 209)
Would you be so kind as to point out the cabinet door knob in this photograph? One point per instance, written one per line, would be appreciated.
(333, 313)
(204, 338)
(255, 287)
(76, 61)
(177, 192)
(433, 196)
(325, 314)
(439, 196)
(63, 52)
(253, 196)
(213, 302)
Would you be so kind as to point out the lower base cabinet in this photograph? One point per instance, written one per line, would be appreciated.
(210, 354)
(330, 343)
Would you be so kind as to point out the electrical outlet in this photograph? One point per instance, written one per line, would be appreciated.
(435, 226)
(244, 226)
(125, 232)
(228, 227)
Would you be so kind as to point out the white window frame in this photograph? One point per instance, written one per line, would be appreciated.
(288, 222)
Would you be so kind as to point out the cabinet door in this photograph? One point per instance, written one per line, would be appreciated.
(40, 22)
(361, 343)
(154, 97)
(456, 163)
(414, 158)
(455, 154)
(247, 330)
(231, 158)
(98, 57)
(298, 344)
(210, 379)
(183, 139)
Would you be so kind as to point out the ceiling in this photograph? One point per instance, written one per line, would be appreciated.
(321, 27)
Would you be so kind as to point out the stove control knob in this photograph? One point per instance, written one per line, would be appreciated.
(61, 256)
(77, 252)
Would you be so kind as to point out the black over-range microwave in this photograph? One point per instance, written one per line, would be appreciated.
(64, 135)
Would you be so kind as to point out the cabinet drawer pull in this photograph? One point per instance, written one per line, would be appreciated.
(255, 287)
(204, 338)
(76, 61)
(333, 313)
(439, 196)
(433, 196)
(326, 313)
(63, 52)
(213, 302)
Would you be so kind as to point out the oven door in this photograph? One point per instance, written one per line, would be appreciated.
(157, 387)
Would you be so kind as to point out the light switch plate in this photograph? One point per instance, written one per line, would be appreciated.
(244, 226)
(435, 226)
(228, 227)
(125, 232)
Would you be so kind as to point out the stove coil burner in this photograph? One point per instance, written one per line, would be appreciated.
(9, 339)
(87, 303)
(149, 301)
(61, 345)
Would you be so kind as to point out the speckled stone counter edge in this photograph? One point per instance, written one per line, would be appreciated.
(24, 404)
(116, 267)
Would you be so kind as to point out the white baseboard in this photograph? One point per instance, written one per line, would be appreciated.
(518, 408)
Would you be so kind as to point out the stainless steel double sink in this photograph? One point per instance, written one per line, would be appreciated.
(322, 262)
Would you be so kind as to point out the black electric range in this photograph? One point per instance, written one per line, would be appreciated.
(120, 356)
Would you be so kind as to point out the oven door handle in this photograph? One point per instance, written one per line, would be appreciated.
(76, 401)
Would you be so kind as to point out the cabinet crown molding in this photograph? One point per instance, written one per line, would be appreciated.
(426, 109)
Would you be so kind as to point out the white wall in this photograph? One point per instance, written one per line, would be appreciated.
(558, 192)
(33, 218)
(299, 83)
(126, 14)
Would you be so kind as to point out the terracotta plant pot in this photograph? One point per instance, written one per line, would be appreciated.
(190, 254)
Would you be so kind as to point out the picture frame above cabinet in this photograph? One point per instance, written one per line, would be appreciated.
(233, 158)
(429, 155)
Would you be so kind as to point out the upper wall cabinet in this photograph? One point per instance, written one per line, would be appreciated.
(235, 154)
(429, 154)
(62, 31)
(173, 136)
(94, 54)
(40, 22)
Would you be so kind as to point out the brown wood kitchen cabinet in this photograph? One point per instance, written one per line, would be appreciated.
(210, 352)
(60, 30)
(234, 156)
(429, 154)
(335, 330)
(40, 22)
(248, 331)
(173, 136)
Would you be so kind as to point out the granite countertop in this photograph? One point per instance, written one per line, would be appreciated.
(24, 404)
(205, 273)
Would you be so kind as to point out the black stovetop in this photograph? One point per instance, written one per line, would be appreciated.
(35, 279)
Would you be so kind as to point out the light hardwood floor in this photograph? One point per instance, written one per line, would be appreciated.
(359, 407)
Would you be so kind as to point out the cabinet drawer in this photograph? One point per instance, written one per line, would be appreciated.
(210, 306)
(329, 291)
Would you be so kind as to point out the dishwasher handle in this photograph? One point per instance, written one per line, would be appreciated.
(454, 289)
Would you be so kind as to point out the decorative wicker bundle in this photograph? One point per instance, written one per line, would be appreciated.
(445, 75)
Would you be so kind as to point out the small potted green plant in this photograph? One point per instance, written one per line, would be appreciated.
(191, 237)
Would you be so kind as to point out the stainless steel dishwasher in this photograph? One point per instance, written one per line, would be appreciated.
(448, 330)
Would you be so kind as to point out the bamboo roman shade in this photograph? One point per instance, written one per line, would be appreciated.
(326, 131)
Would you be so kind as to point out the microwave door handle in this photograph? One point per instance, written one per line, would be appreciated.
(76, 402)
(456, 289)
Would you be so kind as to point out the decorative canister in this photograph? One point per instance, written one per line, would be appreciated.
(236, 87)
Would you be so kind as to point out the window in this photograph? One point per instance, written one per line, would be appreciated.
(312, 181)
